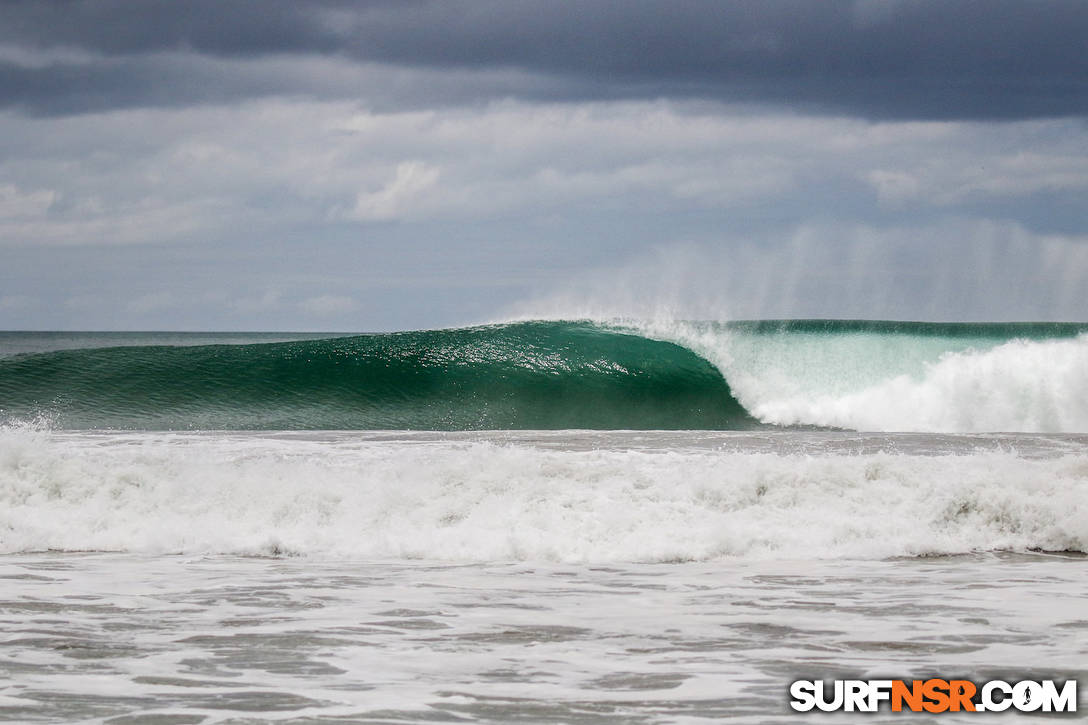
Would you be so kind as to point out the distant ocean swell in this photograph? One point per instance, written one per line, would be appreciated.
(881, 376)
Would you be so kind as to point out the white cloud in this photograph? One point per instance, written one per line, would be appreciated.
(982, 163)
(410, 182)
(265, 197)
(151, 176)
(18, 204)
(895, 186)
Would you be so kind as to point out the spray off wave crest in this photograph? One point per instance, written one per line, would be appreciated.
(860, 375)
(889, 376)
(355, 495)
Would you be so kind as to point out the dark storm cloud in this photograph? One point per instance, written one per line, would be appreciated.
(875, 58)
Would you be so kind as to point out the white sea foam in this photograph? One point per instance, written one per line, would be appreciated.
(875, 381)
(448, 498)
(1017, 386)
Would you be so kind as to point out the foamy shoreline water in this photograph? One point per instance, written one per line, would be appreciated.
(534, 576)
(121, 638)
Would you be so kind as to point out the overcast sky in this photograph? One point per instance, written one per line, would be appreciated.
(398, 164)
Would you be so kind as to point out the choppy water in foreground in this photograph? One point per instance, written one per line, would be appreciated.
(537, 576)
(124, 638)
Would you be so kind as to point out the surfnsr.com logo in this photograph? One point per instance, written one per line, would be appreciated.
(934, 695)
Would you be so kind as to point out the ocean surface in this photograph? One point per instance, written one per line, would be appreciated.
(538, 521)
(859, 375)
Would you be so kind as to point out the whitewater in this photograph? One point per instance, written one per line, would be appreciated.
(559, 496)
(594, 521)
(887, 376)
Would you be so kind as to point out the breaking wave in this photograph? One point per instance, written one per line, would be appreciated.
(357, 495)
(877, 376)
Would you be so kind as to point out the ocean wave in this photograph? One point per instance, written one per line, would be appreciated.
(543, 375)
(487, 501)
(860, 375)
(886, 376)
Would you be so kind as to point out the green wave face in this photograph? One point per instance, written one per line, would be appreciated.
(534, 375)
